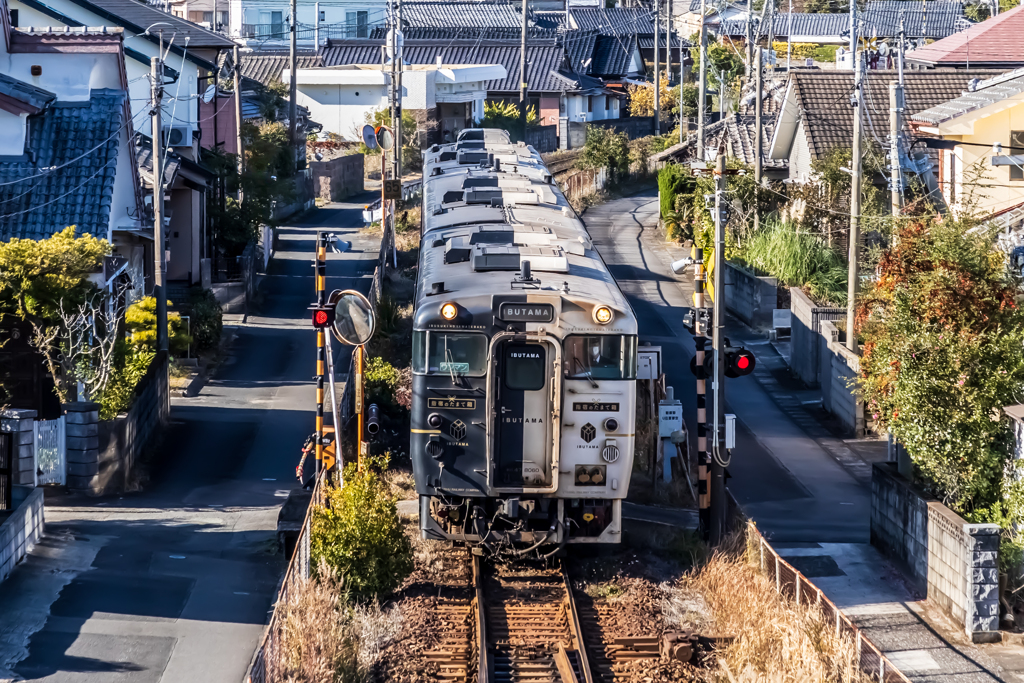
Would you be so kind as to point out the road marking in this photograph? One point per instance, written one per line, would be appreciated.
(177, 557)
(268, 479)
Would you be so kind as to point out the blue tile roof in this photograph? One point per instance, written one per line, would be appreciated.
(54, 195)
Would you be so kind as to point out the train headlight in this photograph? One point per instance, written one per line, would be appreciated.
(449, 311)
(602, 315)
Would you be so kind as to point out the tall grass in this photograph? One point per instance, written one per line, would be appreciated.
(799, 259)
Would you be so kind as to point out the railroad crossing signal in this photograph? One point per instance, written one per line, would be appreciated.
(323, 317)
(738, 362)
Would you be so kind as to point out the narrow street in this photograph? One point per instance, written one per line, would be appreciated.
(174, 583)
(783, 479)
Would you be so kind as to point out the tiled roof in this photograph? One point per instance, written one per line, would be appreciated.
(612, 56)
(647, 42)
(882, 23)
(475, 33)
(266, 66)
(464, 14)
(984, 93)
(541, 60)
(615, 20)
(993, 42)
(144, 161)
(33, 97)
(579, 47)
(823, 99)
(738, 132)
(137, 17)
(77, 194)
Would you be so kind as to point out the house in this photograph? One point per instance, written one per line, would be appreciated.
(982, 152)
(993, 43)
(190, 65)
(445, 97)
(67, 152)
(628, 31)
(815, 116)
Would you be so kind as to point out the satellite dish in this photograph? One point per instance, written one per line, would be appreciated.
(369, 136)
(385, 138)
(208, 95)
(354, 320)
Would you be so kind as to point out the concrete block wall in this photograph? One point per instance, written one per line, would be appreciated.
(957, 563)
(338, 178)
(82, 428)
(22, 529)
(19, 423)
(839, 367)
(750, 297)
(806, 335)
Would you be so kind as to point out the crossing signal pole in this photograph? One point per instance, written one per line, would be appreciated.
(718, 526)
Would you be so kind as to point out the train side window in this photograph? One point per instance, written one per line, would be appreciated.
(449, 353)
(524, 367)
(419, 352)
(600, 356)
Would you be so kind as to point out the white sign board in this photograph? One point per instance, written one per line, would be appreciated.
(670, 418)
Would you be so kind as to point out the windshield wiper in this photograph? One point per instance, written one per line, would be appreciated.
(451, 366)
(586, 372)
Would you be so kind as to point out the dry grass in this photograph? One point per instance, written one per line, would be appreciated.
(401, 484)
(775, 640)
(323, 639)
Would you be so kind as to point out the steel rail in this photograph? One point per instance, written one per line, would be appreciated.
(483, 669)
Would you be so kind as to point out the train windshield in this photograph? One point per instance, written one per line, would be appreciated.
(600, 356)
(447, 353)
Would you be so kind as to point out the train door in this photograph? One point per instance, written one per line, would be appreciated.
(524, 415)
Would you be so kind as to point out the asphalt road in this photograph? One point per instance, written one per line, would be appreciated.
(174, 583)
(781, 477)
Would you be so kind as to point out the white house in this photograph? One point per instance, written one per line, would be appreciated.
(343, 98)
(267, 22)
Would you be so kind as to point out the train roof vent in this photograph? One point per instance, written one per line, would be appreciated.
(447, 156)
(456, 250)
(479, 182)
(470, 144)
(492, 237)
(472, 156)
(485, 196)
(495, 258)
(548, 259)
(452, 196)
(518, 198)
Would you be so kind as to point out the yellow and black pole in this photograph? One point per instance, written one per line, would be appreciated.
(699, 341)
(321, 346)
(360, 407)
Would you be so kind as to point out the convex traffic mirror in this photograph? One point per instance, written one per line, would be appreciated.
(354, 319)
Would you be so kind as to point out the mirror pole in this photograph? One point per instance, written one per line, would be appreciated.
(360, 412)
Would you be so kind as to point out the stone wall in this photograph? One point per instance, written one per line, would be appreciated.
(750, 297)
(338, 178)
(954, 561)
(805, 335)
(839, 367)
(21, 529)
(102, 455)
(19, 423)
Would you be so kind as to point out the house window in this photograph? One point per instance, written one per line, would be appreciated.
(590, 103)
(1016, 149)
(607, 102)
(14, 18)
(356, 24)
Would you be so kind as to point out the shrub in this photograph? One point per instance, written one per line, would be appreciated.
(358, 533)
(604, 148)
(799, 259)
(672, 180)
(380, 379)
(206, 321)
(140, 323)
(130, 367)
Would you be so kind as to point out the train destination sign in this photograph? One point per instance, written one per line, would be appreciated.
(452, 403)
(594, 407)
(526, 313)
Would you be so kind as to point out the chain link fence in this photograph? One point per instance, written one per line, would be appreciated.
(792, 584)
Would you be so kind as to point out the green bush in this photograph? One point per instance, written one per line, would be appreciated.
(206, 321)
(380, 380)
(140, 324)
(672, 180)
(798, 259)
(358, 533)
(130, 367)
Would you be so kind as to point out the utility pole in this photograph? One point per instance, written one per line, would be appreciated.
(238, 118)
(851, 287)
(718, 463)
(156, 67)
(750, 38)
(293, 90)
(316, 25)
(895, 126)
(853, 32)
(702, 80)
(758, 151)
(396, 97)
(523, 101)
(399, 49)
(789, 37)
(657, 68)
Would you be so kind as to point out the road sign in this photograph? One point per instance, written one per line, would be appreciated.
(392, 189)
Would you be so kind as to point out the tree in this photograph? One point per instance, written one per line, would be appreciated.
(641, 98)
(411, 159)
(605, 148)
(942, 355)
(140, 326)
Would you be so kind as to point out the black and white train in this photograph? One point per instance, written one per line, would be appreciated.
(524, 358)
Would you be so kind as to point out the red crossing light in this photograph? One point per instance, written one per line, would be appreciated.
(323, 317)
(738, 362)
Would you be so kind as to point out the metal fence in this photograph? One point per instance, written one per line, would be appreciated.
(51, 451)
(794, 585)
(262, 668)
(6, 469)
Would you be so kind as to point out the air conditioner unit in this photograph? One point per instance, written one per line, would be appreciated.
(178, 135)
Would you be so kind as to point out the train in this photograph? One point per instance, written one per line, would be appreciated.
(524, 359)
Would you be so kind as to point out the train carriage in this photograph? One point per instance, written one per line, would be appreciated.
(524, 358)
